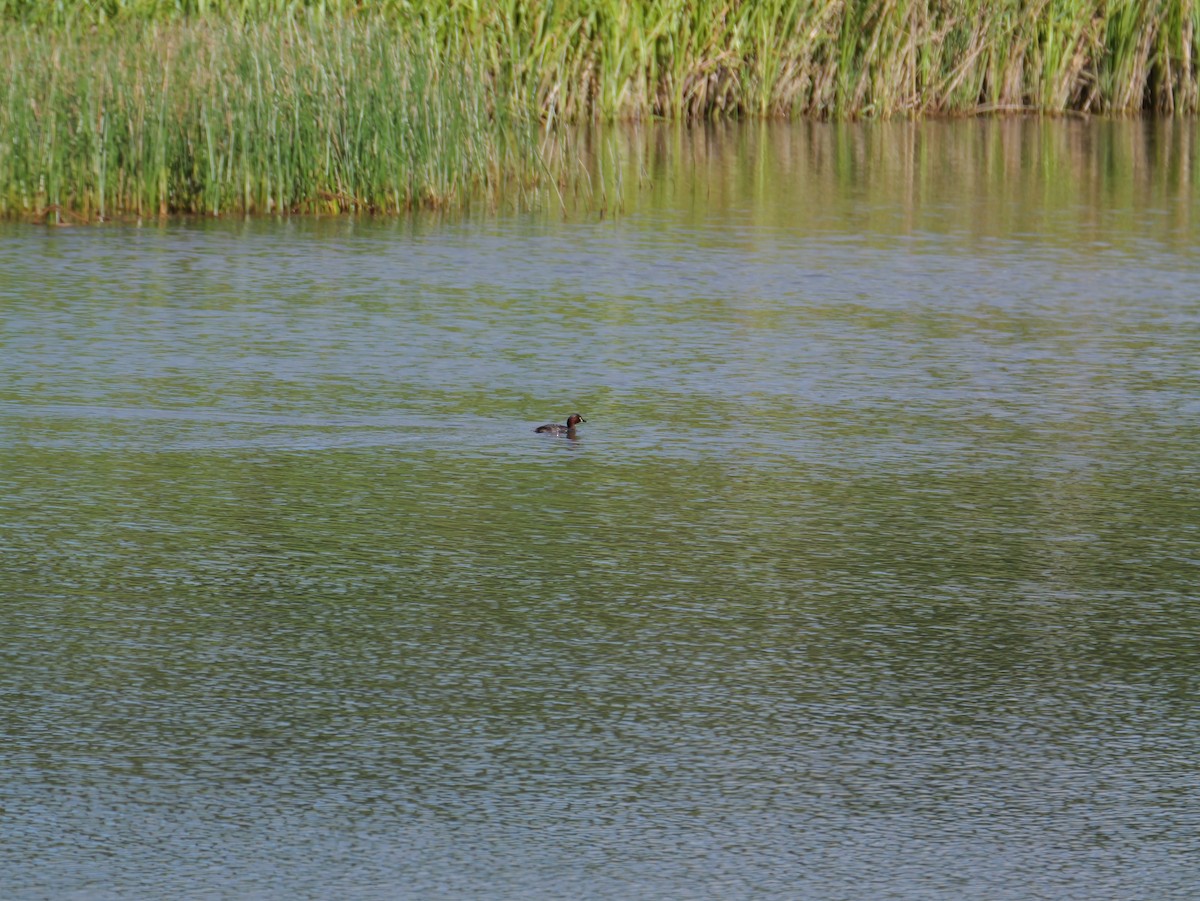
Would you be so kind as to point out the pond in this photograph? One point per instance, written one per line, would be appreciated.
(872, 573)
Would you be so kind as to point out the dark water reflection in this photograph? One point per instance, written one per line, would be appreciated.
(872, 573)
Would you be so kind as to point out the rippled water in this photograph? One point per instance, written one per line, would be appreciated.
(872, 574)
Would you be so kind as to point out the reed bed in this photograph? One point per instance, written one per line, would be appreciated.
(610, 59)
(277, 105)
(153, 119)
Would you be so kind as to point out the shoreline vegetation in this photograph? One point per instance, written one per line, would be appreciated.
(148, 108)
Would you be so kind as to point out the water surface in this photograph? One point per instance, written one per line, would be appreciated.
(872, 574)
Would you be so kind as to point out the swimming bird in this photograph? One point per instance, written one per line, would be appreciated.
(562, 431)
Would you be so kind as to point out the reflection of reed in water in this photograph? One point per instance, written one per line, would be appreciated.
(1088, 177)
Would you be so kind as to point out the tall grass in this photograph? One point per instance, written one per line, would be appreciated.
(611, 59)
(216, 118)
(270, 105)
(607, 59)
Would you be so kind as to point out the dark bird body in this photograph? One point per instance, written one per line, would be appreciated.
(562, 431)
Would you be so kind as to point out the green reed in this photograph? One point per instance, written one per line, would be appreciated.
(611, 59)
(275, 105)
(215, 118)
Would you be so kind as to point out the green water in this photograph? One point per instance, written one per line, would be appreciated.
(871, 575)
